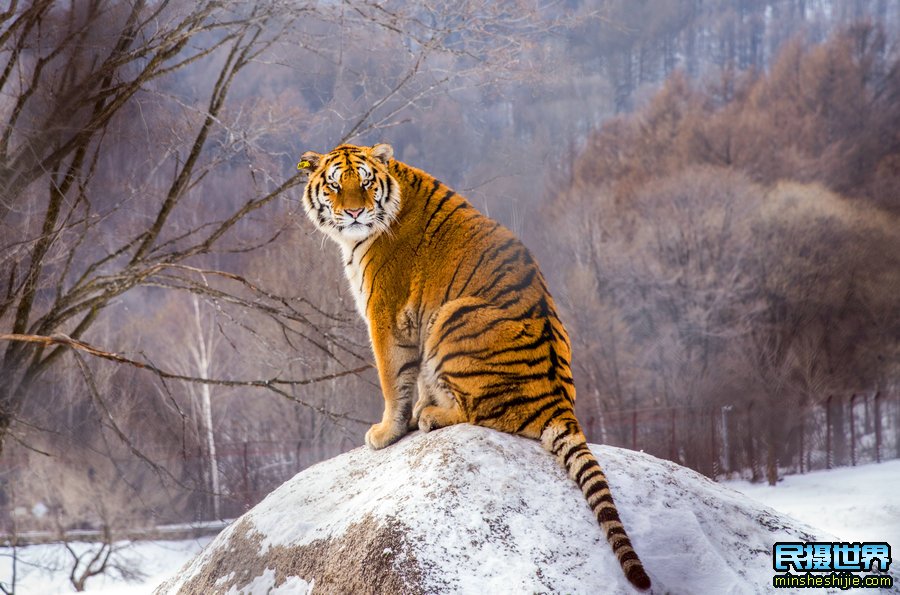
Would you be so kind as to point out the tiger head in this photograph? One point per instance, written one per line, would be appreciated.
(350, 194)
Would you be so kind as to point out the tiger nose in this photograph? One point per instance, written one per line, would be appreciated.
(353, 212)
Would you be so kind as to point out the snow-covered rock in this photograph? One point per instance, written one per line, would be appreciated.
(471, 510)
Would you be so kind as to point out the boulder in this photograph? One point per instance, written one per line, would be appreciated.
(470, 510)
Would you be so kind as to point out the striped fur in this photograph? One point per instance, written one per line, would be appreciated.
(455, 304)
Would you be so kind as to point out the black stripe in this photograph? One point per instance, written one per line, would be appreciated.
(533, 345)
(487, 255)
(522, 284)
(478, 372)
(582, 479)
(572, 447)
(498, 272)
(571, 425)
(434, 234)
(481, 354)
(407, 366)
(608, 514)
(444, 199)
(575, 449)
(628, 556)
(527, 400)
(501, 409)
(372, 284)
(416, 181)
(457, 314)
(534, 416)
(452, 280)
(574, 463)
(352, 252)
(456, 354)
(501, 391)
(621, 543)
(597, 487)
(517, 377)
(365, 267)
(434, 188)
(564, 434)
(514, 300)
(530, 362)
(486, 351)
(538, 342)
(437, 209)
(457, 391)
(604, 499)
(613, 531)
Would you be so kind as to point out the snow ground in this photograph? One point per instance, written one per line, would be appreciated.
(44, 569)
(852, 503)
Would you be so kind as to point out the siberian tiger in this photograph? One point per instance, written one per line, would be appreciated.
(455, 303)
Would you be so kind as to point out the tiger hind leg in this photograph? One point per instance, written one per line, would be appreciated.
(434, 417)
(437, 407)
(425, 399)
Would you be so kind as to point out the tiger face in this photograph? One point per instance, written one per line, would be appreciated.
(350, 194)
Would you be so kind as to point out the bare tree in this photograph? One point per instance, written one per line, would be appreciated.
(99, 558)
(66, 98)
(85, 220)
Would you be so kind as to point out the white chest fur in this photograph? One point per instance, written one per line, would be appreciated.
(353, 269)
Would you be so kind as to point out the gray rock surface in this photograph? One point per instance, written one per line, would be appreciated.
(470, 510)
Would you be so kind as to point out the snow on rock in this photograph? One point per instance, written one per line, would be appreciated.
(471, 510)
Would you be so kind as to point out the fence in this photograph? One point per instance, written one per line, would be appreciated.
(747, 439)
(756, 441)
(750, 440)
(249, 470)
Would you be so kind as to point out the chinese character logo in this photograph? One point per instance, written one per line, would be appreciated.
(831, 557)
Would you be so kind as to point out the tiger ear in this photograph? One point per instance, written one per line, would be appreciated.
(309, 161)
(383, 152)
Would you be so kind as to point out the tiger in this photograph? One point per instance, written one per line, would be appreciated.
(458, 312)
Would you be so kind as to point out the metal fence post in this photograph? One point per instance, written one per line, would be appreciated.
(852, 432)
(714, 455)
(828, 432)
(672, 449)
(634, 429)
(751, 445)
(877, 426)
(246, 478)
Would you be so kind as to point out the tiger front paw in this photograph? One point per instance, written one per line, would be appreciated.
(381, 435)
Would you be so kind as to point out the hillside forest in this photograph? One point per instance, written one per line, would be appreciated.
(710, 187)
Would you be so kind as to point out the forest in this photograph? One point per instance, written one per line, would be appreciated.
(710, 187)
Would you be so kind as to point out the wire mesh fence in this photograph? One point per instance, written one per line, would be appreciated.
(755, 441)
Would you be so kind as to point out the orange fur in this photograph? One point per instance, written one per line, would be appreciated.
(456, 304)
